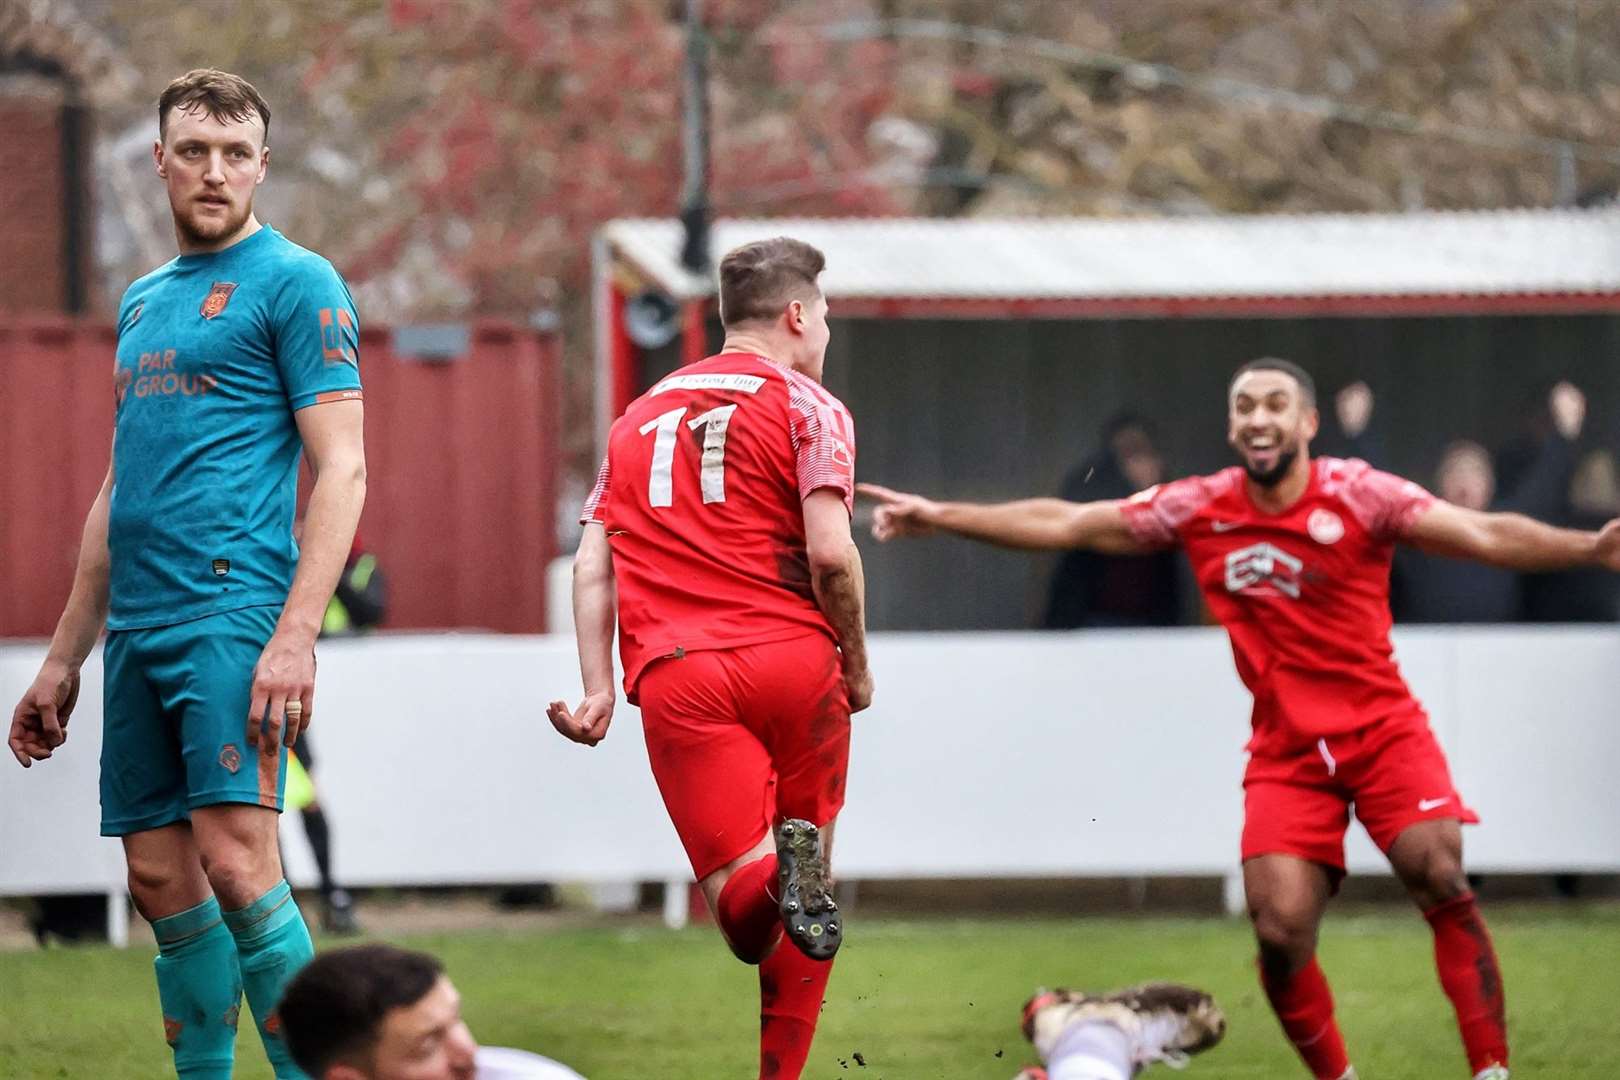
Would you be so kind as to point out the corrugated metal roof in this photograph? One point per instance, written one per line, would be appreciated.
(1472, 253)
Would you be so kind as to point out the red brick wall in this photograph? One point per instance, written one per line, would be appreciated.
(32, 191)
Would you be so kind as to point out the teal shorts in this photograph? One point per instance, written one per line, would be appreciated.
(175, 720)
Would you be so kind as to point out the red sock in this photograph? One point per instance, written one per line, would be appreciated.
(1304, 1004)
(747, 910)
(1471, 978)
(791, 987)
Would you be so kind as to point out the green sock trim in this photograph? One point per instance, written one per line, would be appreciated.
(260, 917)
(175, 930)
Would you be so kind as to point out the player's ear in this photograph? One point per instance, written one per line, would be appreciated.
(264, 164)
(157, 157)
(795, 315)
(1312, 422)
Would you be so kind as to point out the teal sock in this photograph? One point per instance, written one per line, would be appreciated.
(272, 944)
(200, 990)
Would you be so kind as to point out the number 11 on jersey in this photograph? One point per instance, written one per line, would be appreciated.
(712, 473)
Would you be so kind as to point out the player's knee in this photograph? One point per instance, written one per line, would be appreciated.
(154, 881)
(1285, 930)
(1439, 877)
(1284, 944)
(234, 874)
(747, 955)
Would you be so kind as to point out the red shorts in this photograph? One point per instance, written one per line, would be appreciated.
(742, 738)
(1393, 771)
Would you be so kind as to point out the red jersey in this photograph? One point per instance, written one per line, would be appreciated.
(702, 495)
(1304, 594)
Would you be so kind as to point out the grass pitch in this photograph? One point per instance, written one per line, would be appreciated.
(916, 999)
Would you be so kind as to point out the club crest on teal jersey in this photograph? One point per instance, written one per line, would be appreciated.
(217, 298)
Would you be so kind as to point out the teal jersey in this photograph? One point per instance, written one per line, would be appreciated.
(216, 353)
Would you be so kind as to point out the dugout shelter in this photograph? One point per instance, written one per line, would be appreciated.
(981, 357)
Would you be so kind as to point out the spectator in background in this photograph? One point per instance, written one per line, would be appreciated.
(1094, 590)
(1570, 595)
(1353, 407)
(361, 600)
(1431, 589)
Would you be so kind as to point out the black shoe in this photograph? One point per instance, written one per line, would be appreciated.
(808, 912)
(339, 917)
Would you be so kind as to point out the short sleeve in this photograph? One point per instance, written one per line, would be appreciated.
(317, 335)
(126, 311)
(1156, 516)
(823, 436)
(1386, 505)
(594, 509)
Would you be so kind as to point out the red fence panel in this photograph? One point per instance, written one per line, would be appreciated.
(56, 409)
(462, 492)
(461, 454)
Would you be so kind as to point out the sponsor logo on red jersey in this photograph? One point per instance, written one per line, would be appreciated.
(1263, 570)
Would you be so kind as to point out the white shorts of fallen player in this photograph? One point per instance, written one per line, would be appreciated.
(1091, 1051)
(501, 1063)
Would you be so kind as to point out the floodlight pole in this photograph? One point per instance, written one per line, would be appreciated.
(695, 193)
(695, 196)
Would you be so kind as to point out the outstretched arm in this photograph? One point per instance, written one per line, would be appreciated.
(1036, 524)
(594, 611)
(1512, 541)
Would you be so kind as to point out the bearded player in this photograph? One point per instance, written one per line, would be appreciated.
(1293, 557)
(720, 528)
(231, 359)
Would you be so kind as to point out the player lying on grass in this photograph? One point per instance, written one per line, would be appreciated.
(1114, 1036)
(374, 1012)
(1293, 557)
(720, 530)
